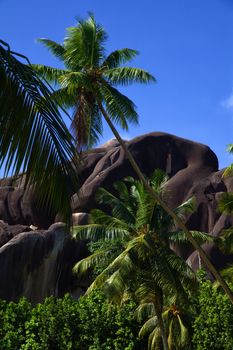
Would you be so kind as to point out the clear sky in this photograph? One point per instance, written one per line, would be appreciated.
(186, 44)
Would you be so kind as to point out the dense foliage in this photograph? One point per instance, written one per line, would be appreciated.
(93, 324)
(66, 324)
(213, 325)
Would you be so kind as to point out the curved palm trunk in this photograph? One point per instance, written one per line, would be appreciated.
(179, 222)
(158, 310)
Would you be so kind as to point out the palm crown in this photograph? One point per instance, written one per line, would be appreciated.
(89, 79)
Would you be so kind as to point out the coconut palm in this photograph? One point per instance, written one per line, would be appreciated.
(88, 83)
(33, 137)
(145, 265)
(177, 322)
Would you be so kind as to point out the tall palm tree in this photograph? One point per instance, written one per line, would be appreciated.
(144, 258)
(88, 84)
(34, 140)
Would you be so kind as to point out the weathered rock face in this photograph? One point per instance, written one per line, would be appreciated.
(38, 263)
(185, 161)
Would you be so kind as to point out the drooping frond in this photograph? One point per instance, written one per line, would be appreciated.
(158, 180)
(184, 333)
(228, 171)
(145, 311)
(119, 208)
(180, 237)
(119, 107)
(227, 273)
(187, 207)
(100, 281)
(57, 50)
(118, 57)
(149, 326)
(225, 204)
(128, 75)
(95, 232)
(33, 138)
(51, 74)
(225, 241)
(63, 98)
(84, 265)
(100, 217)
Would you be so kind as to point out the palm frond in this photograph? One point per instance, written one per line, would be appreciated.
(119, 208)
(184, 333)
(119, 57)
(149, 326)
(128, 75)
(225, 204)
(57, 49)
(228, 171)
(225, 241)
(34, 139)
(63, 98)
(51, 74)
(100, 281)
(145, 311)
(154, 339)
(96, 232)
(230, 148)
(84, 265)
(158, 180)
(187, 207)
(180, 237)
(100, 217)
(119, 107)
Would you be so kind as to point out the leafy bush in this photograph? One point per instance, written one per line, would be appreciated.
(213, 325)
(12, 323)
(65, 324)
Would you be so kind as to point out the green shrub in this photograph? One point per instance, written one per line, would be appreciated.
(65, 324)
(107, 327)
(13, 317)
(213, 325)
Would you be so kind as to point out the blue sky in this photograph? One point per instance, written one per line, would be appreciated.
(187, 45)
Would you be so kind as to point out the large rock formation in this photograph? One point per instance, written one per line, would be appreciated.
(38, 263)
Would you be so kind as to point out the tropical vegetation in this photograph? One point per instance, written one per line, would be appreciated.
(88, 84)
(34, 140)
(91, 323)
(145, 267)
(133, 236)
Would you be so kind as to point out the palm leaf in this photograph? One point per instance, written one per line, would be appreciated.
(49, 73)
(145, 311)
(180, 237)
(119, 107)
(149, 326)
(119, 57)
(56, 49)
(184, 334)
(33, 137)
(98, 232)
(84, 265)
(128, 75)
(225, 204)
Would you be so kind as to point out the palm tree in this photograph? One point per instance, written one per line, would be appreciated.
(34, 140)
(88, 84)
(144, 257)
(177, 323)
